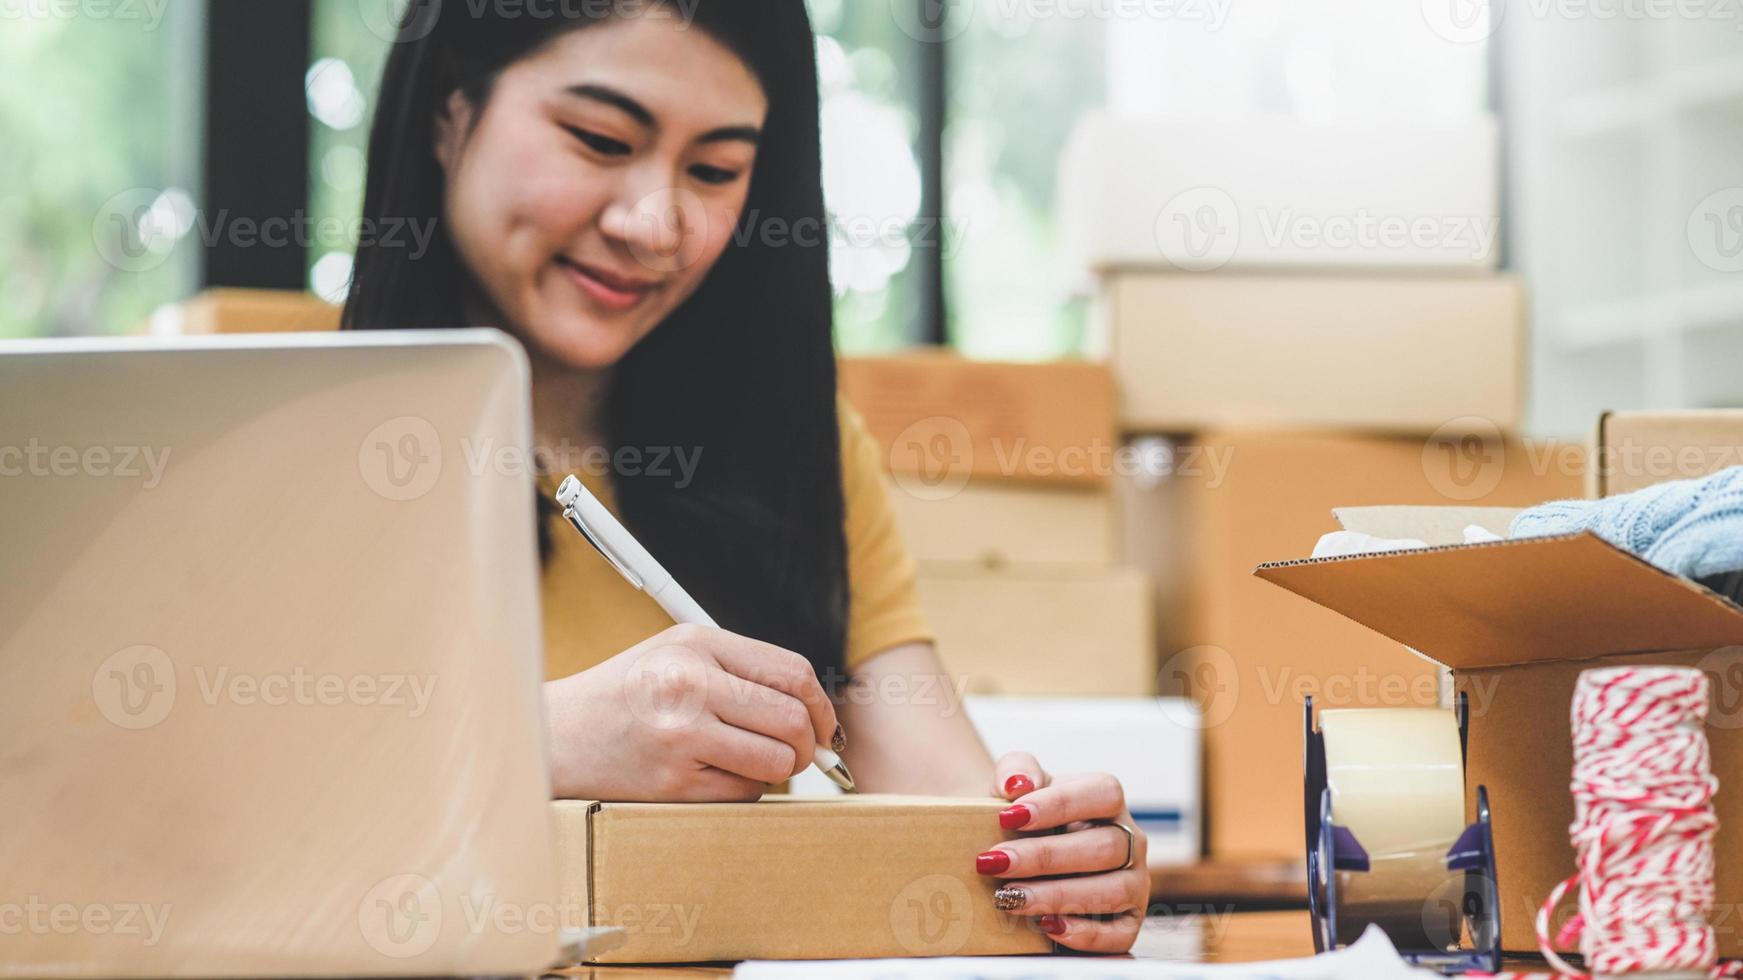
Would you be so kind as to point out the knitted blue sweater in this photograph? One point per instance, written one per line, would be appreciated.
(1692, 528)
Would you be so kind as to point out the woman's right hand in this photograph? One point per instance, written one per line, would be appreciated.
(692, 715)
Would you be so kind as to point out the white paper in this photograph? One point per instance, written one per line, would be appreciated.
(1370, 958)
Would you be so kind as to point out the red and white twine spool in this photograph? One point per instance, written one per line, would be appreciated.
(1643, 827)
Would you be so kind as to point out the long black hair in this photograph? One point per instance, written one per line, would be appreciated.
(743, 372)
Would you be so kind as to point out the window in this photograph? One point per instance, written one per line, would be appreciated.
(96, 203)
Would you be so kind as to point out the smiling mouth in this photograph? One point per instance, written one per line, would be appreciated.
(608, 289)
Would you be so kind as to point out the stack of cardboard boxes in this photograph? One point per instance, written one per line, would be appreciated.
(1308, 318)
(1002, 478)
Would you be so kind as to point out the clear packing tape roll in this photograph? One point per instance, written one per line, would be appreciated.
(1397, 783)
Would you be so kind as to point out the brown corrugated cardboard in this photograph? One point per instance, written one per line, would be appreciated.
(1517, 621)
(257, 311)
(1249, 653)
(787, 878)
(1043, 631)
(1000, 522)
(1390, 354)
(1639, 449)
(943, 418)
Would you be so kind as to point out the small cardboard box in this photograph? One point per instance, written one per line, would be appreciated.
(1043, 631)
(787, 878)
(257, 311)
(1639, 449)
(1400, 354)
(1518, 621)
(996, 523)
(943, 419)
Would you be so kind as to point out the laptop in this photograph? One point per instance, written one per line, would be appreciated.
(270, 659)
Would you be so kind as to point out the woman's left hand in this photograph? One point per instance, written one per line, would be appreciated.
(1077, 884)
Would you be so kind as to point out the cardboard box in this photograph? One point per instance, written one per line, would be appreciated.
(1043, 631)
(1249, 653)
(1639, 449)
(943, 419)
(1517, 622)
(256, 311)
(787, 878)
(997, 523)
(1275, 193)
(1151, 744)
(1397, 354)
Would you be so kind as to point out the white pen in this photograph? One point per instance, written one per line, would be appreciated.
(633, 562)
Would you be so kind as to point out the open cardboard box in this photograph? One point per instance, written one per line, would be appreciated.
(1517, 621)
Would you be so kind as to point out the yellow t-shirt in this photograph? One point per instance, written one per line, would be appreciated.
(592, 614)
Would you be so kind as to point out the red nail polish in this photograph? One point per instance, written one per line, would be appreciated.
(991, 862)
(1019, 785)
(1013, 817)
(1052, 925)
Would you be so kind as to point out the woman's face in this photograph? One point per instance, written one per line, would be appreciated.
(601, 182)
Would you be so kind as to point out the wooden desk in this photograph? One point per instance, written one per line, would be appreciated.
(1243, 937)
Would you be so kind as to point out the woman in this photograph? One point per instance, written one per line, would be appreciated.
(625, 190)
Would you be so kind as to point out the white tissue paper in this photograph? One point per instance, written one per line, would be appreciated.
(1343, 544)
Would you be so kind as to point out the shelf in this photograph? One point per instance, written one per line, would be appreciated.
(1631, 106)
(1596, 326)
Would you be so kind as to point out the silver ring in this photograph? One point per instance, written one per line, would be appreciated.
(1131, 844)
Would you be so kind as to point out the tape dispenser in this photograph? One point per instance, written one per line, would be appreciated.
(1387, 842)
